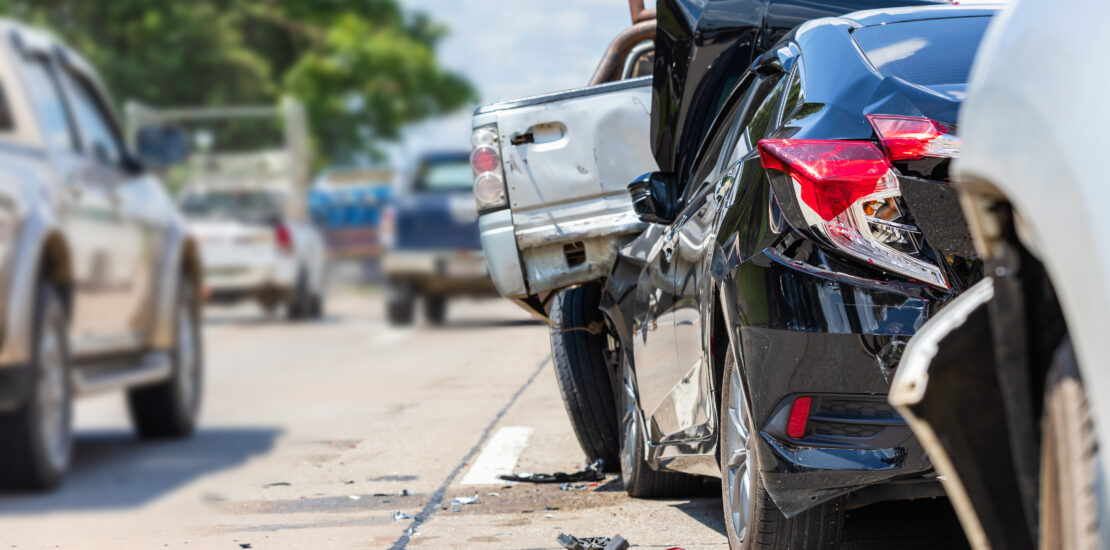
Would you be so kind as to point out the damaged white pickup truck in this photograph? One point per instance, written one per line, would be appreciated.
(540, 246)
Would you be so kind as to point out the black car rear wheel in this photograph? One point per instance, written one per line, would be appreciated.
(752, 520)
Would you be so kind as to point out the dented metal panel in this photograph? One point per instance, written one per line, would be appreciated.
(568, 159)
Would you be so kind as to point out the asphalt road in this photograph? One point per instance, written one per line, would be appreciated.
(316, 435)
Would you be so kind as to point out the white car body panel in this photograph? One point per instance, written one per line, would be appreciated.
(1034, 125)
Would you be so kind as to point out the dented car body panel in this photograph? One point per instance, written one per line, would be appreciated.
(565, 183)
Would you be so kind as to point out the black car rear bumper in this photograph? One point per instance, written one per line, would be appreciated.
(837, 339)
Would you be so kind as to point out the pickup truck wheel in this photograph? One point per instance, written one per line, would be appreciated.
(640, 479)
(1069, 505)
(752, 520)
(399, 302)
(300, 303)
(435, 309)
(37, 438)
(170, 408)
(578, 348)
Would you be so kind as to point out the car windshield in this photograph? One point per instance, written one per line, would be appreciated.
(929, 52)
(248, 206)
(445, 176)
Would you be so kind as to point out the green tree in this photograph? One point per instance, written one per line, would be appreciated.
(363, 68)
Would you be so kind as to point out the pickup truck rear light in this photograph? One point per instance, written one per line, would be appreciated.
(848, 192)
(911, 138)
(283, 237)
(485, 160)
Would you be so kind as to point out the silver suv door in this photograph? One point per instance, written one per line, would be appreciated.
(111, 264)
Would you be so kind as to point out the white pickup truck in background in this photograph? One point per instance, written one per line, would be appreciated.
(551, 177)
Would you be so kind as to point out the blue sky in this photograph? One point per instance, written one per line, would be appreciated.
(515, 48)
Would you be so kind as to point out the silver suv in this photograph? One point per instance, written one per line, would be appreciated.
(99, 280)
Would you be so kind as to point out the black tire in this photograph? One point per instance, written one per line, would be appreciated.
(1069, 503)
(399, 304)
(435, 309)
(33, 459)
(639, 478)
(578, 347)
(764, 526)
(318, 311)
(171, 408)
(300, 303)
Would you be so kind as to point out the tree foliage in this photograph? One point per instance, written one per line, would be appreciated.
(363, 68)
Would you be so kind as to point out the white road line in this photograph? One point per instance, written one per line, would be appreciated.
(499, 456)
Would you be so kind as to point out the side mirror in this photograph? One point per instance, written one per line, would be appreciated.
(655, 197)
(162, 146)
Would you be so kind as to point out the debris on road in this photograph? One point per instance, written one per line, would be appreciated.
(569, 487)
(245, 545)
(571, 542)
(354, 497)
(278, 484)
(461, 501)
(593, 472)
(400, 516)
(404, 492)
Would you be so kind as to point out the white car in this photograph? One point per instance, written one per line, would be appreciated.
(255, 247)
(1003, 386)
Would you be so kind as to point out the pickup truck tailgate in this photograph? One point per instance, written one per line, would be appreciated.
(568, 159)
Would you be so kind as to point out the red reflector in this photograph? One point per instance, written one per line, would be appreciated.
(832, 174)
(907, 138)
(799, 416)
(484, 159)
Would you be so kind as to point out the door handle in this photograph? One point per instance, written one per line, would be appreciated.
(669, 244)
(521, 139)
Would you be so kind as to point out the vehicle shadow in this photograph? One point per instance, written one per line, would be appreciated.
(471, 324)
(115, 469)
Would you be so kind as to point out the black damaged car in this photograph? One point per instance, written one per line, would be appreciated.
(793, 248)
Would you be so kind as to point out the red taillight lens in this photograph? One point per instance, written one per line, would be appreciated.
(283, 237)
(484, 159)
(848, 192)
(799, 417)
(832, 175)
(910, 138)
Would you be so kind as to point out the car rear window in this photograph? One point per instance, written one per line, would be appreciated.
(446, 176)
(927, 52)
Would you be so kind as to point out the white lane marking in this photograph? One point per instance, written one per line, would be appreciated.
(499, 456)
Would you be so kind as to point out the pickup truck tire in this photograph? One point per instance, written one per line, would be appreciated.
(578, 352)
(170, 408)
(752, 520)
(1069, 503)
(435, 309)
(300, 303)
(36, 438)
(399, 304)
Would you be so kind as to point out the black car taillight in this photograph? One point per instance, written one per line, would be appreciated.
(848, 192)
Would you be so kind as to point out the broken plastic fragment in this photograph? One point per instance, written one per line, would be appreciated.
(460, 501)
(593, 472)
(570, 542)
(399, 516)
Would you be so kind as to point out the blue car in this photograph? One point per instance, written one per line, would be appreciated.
(430, 231)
